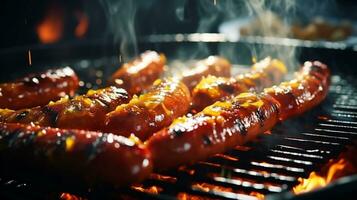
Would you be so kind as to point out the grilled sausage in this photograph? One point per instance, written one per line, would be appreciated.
(148, 113)
(307, 90)
(224, 125)
(211, 89)
(82, 112)
(213, 65)
(72, 155)
(38, 89)
(140, 73)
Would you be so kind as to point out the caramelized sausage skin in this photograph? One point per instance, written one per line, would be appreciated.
(38, 89)
(76, 155)
(223, 125)
(213, 65)
(139, 74)
(82, 112)
(307, 90)
(144, 115)
(211, 89)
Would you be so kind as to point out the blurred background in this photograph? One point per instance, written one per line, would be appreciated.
(25, 22)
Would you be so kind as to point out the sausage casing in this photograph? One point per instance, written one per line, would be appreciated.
(217, 128)
(139, 74)
(213, 65)
(211, 89)
(82, 112)
(166, 100)
(38, 89)
(307, 90)
(74, 155)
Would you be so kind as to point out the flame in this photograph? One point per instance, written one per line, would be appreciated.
(185, 196)
(257, 194)
(208, 187)
(82, 26)
(68, 196)
(316, 181)
(51, 28)
(151, 190)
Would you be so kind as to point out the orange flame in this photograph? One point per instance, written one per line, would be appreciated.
(151, 189)
(68, 196)
(51, 28)
(257, 194)
(316, 181)
(82, 26)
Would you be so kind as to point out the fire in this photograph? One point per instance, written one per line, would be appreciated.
(82, 26)
(51, 28)
(151, 190)
(68, 196)
(316, 181)
(257, 194)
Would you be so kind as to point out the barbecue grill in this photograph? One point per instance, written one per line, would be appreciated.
(269, 166)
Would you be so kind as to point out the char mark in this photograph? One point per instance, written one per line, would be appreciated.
(22, 115)
(53, 115)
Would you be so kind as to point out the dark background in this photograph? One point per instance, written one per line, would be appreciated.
(19, 18)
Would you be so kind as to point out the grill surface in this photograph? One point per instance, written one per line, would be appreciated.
(269, 165)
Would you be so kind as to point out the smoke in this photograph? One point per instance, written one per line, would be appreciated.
(211, 13)
(274, 17)
(121, 20)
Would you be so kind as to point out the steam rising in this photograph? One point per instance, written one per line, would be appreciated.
(121, 18)
(261, 10)
(210, 13)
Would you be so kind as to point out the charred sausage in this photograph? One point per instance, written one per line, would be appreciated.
(168, 99)
(38, 89)
(76, 155)
(82, 112)
(211, 89)
(139, 74)
(224, 125)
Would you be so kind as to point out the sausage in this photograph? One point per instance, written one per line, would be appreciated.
(307, 90)
(139, 74)
(82, 112)
(211, 89)
(72, 155)
(168, 99)
(38, 89)
(216, 129)
(235, 121)
(213, 65)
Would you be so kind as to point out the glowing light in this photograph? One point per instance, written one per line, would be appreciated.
(82, 26)
(29, 56)
(151, 190)
(51, 28)
(315, 181)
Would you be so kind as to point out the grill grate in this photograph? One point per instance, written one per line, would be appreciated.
(272, 164)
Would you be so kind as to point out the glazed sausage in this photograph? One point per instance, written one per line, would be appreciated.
(82, 112)
(72, 155)
(224, 125)
(213, 65)
(168, 99)
(139, 74)
(211, 89)
(307, 90)
(38, 89)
